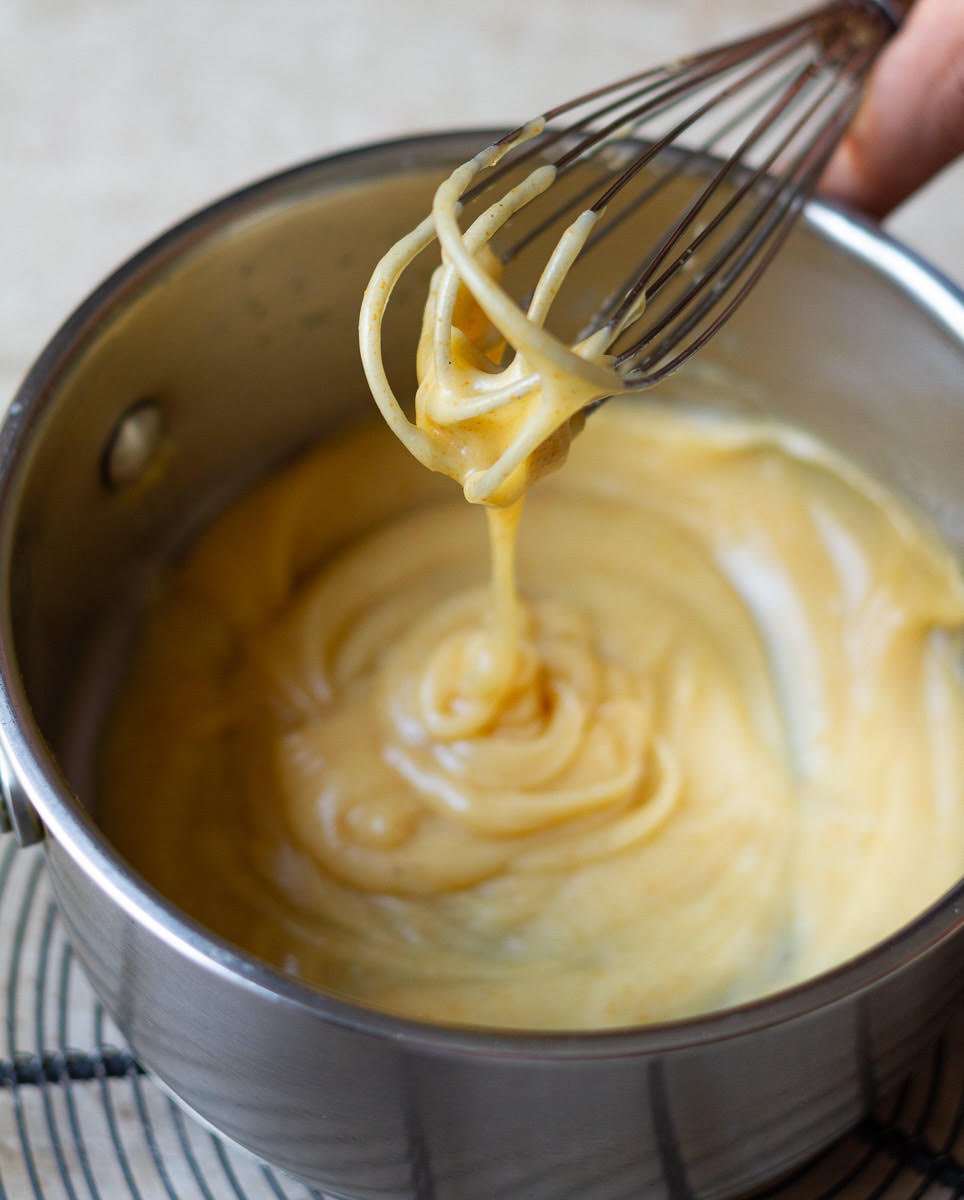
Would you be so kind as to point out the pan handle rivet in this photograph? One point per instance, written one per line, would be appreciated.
(133, 445)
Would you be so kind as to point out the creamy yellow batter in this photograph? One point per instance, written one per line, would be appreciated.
(715, 746)
(732, 754)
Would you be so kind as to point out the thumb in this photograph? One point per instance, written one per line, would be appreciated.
(911, 123)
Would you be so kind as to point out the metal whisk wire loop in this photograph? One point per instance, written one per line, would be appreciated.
(769, 109)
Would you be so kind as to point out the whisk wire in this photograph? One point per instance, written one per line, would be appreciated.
(684, 76)
(666, 176)
(651, 152)
(785, 201)
(631, 289)
(705, 148)
(772, 106)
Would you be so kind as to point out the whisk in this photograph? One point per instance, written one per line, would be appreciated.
(742, 132)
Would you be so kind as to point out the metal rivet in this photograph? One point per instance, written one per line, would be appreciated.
(133, 445)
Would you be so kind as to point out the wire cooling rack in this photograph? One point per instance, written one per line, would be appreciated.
(80, 1121)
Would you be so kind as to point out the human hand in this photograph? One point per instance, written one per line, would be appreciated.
(911, 122)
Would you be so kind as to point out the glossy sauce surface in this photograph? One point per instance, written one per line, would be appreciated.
(728, 751)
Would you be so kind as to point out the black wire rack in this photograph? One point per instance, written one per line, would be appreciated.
(80, 1121)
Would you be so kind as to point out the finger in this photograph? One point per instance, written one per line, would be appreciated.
(911, 123)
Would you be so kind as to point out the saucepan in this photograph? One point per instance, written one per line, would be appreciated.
(220, 351)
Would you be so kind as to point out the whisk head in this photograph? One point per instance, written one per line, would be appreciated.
(772, 107)
(657, 202)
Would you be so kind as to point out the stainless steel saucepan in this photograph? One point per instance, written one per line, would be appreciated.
(218, 352)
